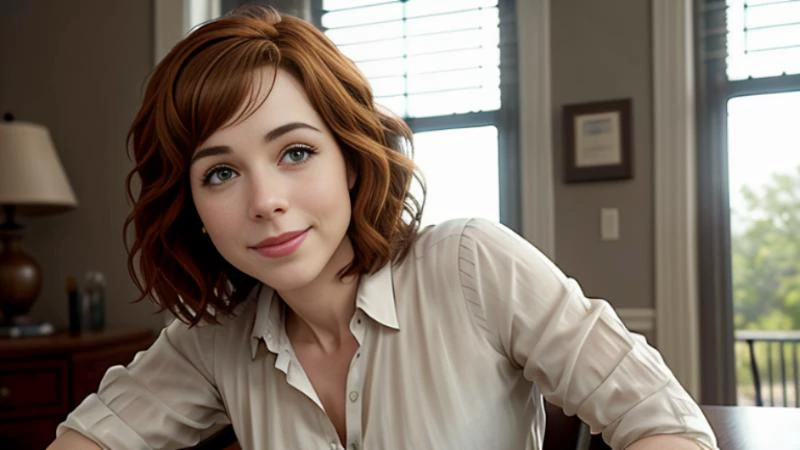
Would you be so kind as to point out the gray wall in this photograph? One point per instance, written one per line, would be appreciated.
(78, 67)
(601, 51)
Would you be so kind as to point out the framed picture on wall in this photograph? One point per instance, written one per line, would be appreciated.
(597, 141)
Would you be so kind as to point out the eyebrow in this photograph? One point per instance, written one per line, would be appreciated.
(270, 136)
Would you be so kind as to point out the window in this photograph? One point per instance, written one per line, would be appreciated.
(447, 68)
(748, 169)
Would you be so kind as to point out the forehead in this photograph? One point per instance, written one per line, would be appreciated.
(281, 102)
(286, 94)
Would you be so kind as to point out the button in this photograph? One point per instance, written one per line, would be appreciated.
(358, 321)
(354, 446)
(334, 445)
(353, 396)
(358, 355)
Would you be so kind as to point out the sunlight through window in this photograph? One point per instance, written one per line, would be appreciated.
(460, 167)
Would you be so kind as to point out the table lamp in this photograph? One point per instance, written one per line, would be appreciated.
(32, 182)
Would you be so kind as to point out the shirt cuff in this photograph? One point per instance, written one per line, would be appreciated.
(93, 419)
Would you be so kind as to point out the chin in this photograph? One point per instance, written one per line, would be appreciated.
(289, 277)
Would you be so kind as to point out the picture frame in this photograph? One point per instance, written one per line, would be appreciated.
(597, 141)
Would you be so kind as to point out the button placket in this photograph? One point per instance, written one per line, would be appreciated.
(357, 327)
(353, 408)
(353, 411)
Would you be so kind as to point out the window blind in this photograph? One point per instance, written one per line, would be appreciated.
(763, 38)
(423, 57)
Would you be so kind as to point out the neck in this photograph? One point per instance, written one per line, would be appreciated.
(319, 314)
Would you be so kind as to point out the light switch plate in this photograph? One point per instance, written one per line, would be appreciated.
(609, 224)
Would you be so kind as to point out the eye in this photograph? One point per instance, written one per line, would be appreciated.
(298, 154)
(218, 175)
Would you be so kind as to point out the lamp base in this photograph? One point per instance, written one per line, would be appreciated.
(20, 275)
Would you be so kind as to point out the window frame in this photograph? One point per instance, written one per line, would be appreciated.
(715, 281)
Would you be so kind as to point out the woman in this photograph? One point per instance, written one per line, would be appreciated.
(274, 220)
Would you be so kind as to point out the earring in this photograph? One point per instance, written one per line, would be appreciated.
(203, 230)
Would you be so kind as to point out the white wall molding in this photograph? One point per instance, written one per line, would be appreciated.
(640, 320)
(674, 170)
(536, 124)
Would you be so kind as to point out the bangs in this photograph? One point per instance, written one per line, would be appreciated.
(216, 87)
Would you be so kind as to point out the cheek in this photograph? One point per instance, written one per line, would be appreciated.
(331, 194)
(215, 213)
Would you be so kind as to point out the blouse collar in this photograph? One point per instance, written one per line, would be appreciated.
(375, 296)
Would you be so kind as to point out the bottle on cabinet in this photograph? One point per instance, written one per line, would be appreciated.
(74, 305)
(94, 298)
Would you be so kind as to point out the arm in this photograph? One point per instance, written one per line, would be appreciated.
(165, 398)
(574, 348)
(72, 440)
(665, 442)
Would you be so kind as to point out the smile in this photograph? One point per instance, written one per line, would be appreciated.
(283, 248)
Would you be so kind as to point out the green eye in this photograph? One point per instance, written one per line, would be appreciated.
(219, 175)
(298, 154)
(224, 173)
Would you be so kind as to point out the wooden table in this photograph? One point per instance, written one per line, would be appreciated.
(755, 428)
(43, 378)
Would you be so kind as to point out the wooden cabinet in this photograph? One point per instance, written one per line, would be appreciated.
(42, 379)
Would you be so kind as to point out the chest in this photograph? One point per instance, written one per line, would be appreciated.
(404, 389)
(328, 375)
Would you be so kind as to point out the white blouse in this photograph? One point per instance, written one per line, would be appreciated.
(457, 345)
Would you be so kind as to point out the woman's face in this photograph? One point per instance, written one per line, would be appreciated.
(273, 190)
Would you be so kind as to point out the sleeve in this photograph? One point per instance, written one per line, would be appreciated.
(165, 398)
(576, 349)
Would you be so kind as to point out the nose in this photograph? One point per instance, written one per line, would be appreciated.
(268, 197)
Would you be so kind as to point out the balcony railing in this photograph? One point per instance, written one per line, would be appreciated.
(787, 344)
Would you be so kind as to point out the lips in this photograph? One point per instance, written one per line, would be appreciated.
(281, 245)
(280, 239)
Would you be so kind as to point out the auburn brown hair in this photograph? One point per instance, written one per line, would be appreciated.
(204, 81)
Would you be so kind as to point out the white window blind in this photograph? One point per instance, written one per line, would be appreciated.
(423, 57)
(763, 38)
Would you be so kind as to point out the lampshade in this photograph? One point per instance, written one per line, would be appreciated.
(31, 175)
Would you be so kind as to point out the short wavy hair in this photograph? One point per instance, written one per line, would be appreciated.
(204, 81)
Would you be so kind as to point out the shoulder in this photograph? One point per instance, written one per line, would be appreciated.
(433, 235)
(478, 248)
(465, 233)
(456, 245)
(229, 327)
